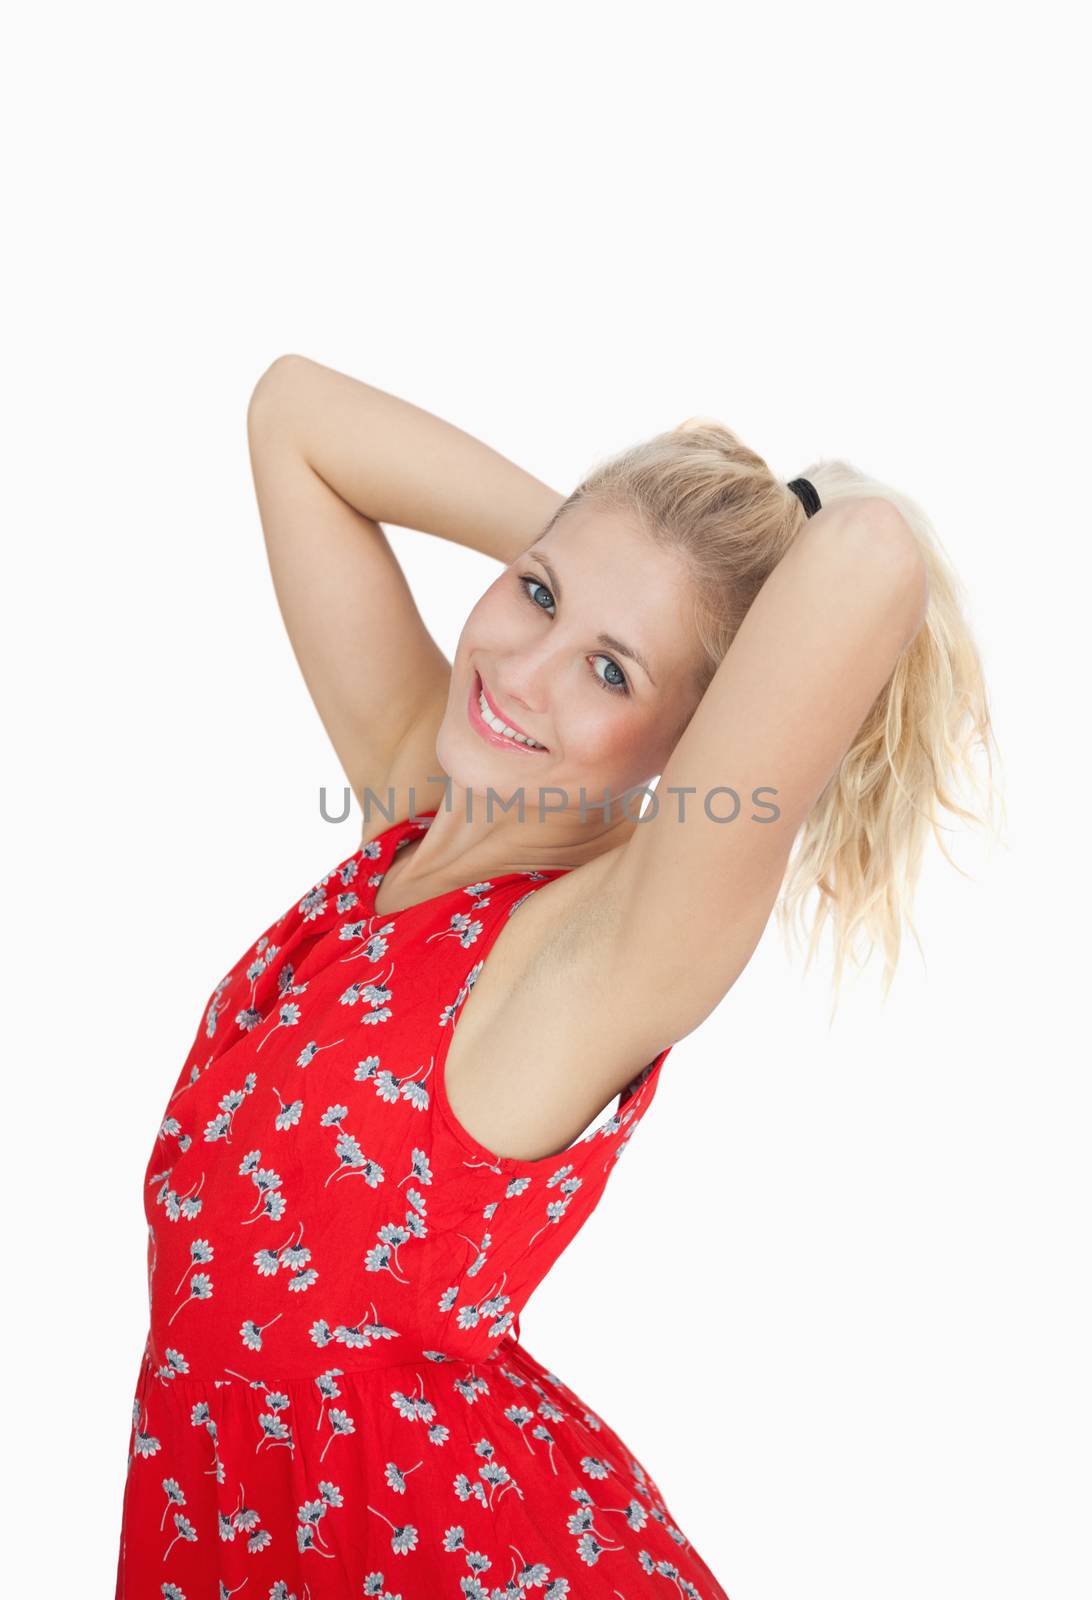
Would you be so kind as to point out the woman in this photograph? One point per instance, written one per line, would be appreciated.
(350, 1198)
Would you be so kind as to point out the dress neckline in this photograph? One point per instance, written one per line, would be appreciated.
(393, 836)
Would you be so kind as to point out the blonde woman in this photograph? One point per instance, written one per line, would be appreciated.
(409, 1093)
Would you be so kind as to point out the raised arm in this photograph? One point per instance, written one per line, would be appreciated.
(332, 459)
(689, 900)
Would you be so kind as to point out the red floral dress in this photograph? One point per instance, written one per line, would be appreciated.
(332, 1400)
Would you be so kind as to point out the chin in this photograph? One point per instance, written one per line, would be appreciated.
(495, 791)
(463, 765)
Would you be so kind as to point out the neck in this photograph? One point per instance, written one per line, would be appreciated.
(473, 837)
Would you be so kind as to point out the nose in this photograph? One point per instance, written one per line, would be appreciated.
(521, 681)
(507, 692)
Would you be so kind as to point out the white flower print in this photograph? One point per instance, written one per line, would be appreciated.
(184, 1529)
(200, 1289)
(289, 1115)
(175, 1497)
(311, 1513)
(396, 1477)
(251, 1332)
(311, 1050)
(403, 1539)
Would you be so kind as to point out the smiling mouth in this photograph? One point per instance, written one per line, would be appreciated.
(496, 725)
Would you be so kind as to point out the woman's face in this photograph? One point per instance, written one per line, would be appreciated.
(585, 644)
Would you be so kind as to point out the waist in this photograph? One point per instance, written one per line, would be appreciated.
(172, 1369)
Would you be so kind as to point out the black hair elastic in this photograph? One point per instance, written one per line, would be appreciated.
(806, 493)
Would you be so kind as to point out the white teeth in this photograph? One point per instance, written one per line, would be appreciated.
(502, 727)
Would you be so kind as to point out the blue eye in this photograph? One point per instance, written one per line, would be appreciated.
(619, 688)
(529, 582)
(534, 583)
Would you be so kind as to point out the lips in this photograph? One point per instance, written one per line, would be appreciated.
(477, 688)
(497, 712)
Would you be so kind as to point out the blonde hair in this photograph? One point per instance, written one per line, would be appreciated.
(701, 492)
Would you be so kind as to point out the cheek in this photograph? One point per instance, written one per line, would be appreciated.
(603, 736)
(494, 622)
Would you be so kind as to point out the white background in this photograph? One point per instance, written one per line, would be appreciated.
(835, 1298)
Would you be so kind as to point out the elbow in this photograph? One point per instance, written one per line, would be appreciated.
(267, 398)
(886, 538)
(281, 372)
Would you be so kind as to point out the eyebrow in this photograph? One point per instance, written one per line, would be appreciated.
(607, 639)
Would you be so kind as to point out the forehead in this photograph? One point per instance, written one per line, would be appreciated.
(608, 545)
